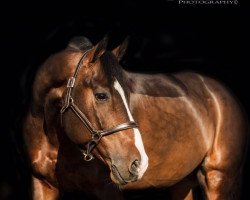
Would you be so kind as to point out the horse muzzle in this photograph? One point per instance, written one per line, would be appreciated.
(121, 175)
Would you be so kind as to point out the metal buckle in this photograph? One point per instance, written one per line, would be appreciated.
(71, 82)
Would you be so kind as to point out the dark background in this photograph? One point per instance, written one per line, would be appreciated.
(165, 37)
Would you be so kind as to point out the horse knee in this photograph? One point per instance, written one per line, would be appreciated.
(44, 170)
(215, 180)
(219, 184)
(42, 190)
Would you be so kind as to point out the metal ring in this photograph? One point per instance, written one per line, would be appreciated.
(96, 137)
(88, 157)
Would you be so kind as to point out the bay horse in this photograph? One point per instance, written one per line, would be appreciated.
(93, 127)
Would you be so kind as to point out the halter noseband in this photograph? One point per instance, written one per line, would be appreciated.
(96, 135)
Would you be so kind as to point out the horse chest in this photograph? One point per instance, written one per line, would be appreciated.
(174, 127)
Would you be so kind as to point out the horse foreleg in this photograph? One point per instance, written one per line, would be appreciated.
(43, 191)
(220, 185)
(221, 171)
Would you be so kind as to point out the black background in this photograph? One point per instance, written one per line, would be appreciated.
(165, 37)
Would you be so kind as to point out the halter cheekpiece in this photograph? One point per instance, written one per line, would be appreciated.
(96, 135)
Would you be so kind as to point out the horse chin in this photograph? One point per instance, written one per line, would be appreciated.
(116, 177)
(117, 180)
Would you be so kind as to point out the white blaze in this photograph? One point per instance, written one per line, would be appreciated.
(138, 140)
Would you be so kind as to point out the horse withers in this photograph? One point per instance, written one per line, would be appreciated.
(98, 129)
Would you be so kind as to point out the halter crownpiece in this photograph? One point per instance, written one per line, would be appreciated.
(96, 135)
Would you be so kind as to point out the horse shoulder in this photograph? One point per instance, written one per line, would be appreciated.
(228, 107)
(41, 153)
(232, 130)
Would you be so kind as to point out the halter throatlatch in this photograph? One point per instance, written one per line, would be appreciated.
(96, 135)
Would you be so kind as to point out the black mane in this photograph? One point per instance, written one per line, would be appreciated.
(112, 69)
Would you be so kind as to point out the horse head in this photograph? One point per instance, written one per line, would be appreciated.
(96, 114)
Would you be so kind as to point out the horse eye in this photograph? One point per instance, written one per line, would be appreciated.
(101, 96)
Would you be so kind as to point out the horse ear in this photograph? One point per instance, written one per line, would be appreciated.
(121, 49)
(97, 51)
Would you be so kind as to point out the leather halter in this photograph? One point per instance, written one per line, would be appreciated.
(96, 135)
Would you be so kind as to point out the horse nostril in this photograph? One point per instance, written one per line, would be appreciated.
(134, 167)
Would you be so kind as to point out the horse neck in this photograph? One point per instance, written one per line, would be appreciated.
(144, 89)
(132, 82)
